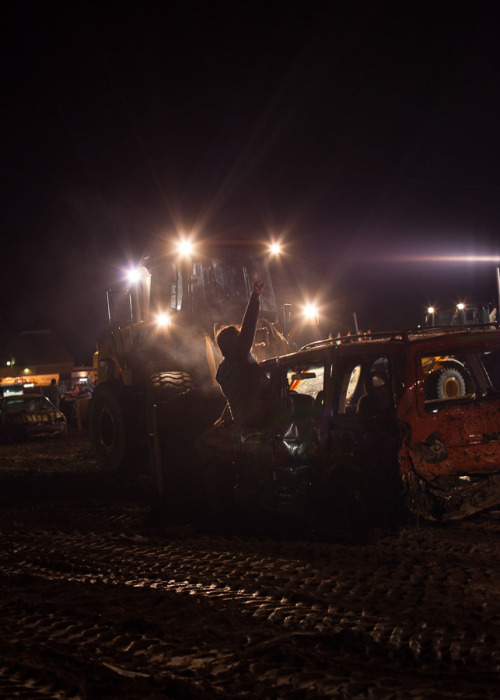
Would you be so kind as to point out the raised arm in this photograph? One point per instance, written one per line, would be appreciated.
(249, 323)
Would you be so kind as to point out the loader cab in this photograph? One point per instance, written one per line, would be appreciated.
(174, 300)
(217, 287)
(470, 314)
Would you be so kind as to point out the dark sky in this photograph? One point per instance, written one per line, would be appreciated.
(355, 130)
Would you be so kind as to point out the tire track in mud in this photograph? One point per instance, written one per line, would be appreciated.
(95, 604)
(404, 601)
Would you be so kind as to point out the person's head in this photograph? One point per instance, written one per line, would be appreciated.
(53, 381)
(226, 339)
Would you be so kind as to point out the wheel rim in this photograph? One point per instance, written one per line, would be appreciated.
(107, 430)
(451, 388)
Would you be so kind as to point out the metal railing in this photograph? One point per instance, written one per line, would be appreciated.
(400, 336)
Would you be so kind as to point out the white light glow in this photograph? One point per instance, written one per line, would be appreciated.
(133, 275)
(275, 248)
(449, 258)
(185, 247)
(431, 310)
(310, 312)
(163, 320)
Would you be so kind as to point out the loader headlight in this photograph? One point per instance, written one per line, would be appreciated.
(311, 313)
(133, 275)
(275, 248)
(163, 320)
(185, 247)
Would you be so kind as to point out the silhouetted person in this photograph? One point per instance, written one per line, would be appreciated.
(53, 393)
(242, 380)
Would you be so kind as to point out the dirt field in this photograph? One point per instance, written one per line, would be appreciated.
(98, 602)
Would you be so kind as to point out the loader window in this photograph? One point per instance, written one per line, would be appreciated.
(119, 309)
(233, 283)
(176, 289)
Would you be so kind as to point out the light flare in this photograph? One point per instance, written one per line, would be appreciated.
(133, 275)
(311, 313)
(163, 320)
(185, 247)
(448, 258)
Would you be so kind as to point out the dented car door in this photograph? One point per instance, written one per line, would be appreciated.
(300, 433)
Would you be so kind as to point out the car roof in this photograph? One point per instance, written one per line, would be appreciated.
(24, 397)
(386, 342)
(412, 336)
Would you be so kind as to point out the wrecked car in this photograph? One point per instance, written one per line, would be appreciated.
(367, 429)
(27, 416)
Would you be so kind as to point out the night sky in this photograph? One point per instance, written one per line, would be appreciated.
(360, 133)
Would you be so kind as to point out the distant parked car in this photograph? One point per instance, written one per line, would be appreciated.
(28, 416)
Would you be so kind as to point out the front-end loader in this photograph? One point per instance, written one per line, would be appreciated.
(155, 370)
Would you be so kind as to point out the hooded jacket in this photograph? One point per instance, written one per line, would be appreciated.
(240, 376)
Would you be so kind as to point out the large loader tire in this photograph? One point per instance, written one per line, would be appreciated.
(165, 385)
(448, 382)
(181, 414)
(113, 424)
(164, 422)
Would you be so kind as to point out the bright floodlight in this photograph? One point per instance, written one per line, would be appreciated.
(185, 247)
(431, 310)
(275, 248)
(163, 320)
(310, 312)
(460, 306)
(133, 275)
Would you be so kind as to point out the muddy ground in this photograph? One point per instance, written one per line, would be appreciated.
(98, 600)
